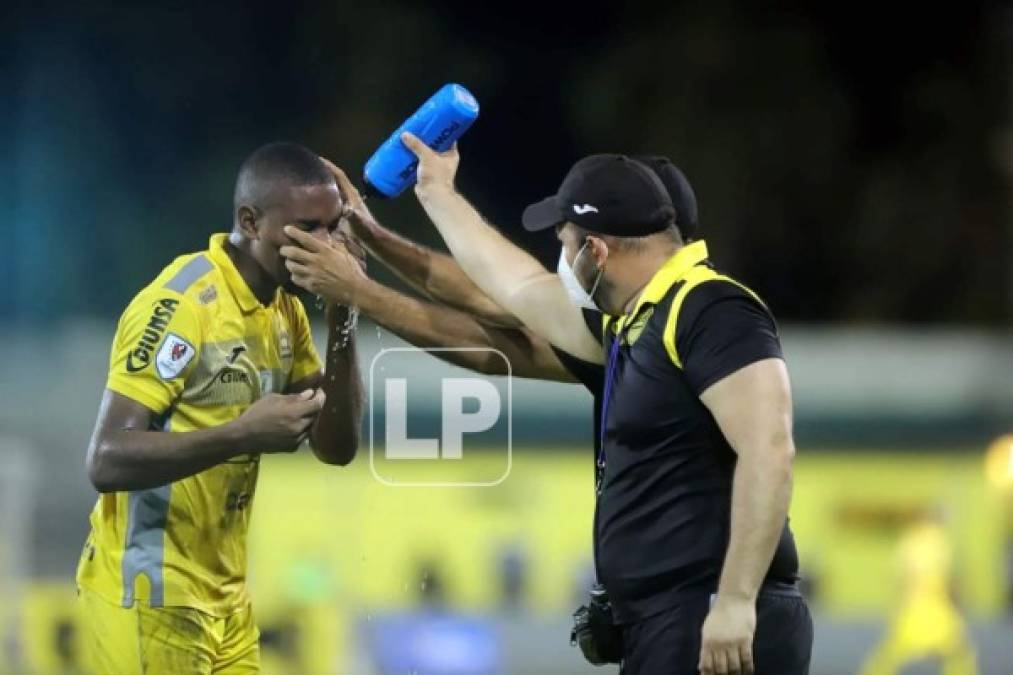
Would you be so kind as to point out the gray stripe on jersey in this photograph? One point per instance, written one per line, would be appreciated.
(144, 549)
(189, 273)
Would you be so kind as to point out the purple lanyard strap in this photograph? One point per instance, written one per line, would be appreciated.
(610, 373)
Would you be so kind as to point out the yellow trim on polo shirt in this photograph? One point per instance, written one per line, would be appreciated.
(695, 277)
(673, 270)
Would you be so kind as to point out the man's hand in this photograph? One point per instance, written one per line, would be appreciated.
(327, 270)
(358, 216)
(436, 169)
(356, 219)
(727, 644)
(278, 422)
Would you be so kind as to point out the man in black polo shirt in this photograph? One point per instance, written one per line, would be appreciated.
(691, 534)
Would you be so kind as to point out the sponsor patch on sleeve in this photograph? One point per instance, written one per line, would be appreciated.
(173, 356)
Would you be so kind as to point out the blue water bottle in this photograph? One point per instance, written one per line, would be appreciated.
(439, 122)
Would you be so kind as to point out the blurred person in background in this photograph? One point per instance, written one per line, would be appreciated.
(927, 624)
(691, 532)
(212, 364)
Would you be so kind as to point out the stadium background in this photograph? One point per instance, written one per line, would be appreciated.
(853, 164)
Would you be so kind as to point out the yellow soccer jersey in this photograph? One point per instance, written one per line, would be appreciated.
(197, 348)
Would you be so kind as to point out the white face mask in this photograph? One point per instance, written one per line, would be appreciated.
(578, 296)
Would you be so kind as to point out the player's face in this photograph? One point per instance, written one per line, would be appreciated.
(315, 209)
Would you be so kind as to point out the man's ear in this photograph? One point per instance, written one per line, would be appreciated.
(246, 218)
(598, 249)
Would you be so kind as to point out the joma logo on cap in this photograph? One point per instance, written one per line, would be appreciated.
(581, 209)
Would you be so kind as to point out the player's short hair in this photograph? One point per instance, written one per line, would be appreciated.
(276, 165)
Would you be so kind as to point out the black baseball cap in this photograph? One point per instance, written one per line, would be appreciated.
(607, 194)
(679, 190)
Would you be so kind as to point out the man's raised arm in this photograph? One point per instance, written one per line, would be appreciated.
(509, 275)
(432, 273)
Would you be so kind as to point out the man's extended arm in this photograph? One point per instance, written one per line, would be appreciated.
(432, 273)
(331, 273)
(513, 278)
(426, 324)
(752, 406)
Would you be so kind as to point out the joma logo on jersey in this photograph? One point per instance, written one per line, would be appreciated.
(140, 357)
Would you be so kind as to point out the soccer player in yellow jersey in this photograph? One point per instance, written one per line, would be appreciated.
(212, 364)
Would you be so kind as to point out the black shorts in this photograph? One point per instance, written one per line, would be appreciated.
(669, 643)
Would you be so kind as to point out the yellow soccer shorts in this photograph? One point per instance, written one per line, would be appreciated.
(144, 640)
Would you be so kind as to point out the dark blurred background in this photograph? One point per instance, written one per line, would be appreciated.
(848, 157)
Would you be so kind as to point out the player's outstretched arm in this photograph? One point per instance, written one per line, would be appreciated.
(125, 454)
(329, 271)
(497, 350)
(432, 273)
(512, 277)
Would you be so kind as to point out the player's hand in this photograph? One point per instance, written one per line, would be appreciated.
(727, 639)
(436, 169)
(279, 422)
(329, 270)
(345, 236)
(356, 214)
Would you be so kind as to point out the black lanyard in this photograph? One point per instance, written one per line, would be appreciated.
(610, 376)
